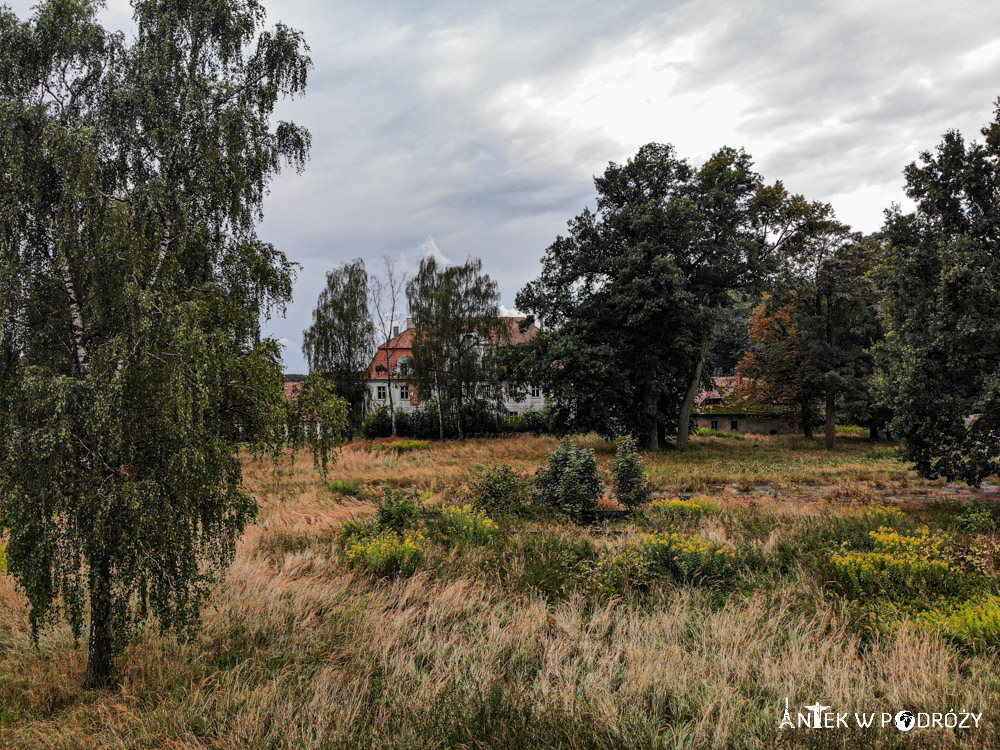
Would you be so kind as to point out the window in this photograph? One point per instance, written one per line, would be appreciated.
(734, 425)
(380, 393)
(404, 391)
(536, 392)
(715, 424)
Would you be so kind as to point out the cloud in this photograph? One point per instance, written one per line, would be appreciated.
(478, 127)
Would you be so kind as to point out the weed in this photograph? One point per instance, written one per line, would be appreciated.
(387, 554)
(464, 524)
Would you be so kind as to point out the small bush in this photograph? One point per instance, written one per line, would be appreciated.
(629, 478)
(355, 529)
(677, 510)
(706, 432)
(925, 544)
(553, 563)
(499, 488)
(397, 511)
(863, 575)
(687, 558)
(973, 625)
(621, 573)
(378, 424)
(465, 524)
(977, 518)
(387, 554)
(569, 482)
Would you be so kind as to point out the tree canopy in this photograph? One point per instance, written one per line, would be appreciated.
(132, 283)
(632, 295)
(940, 364)
(341, 339)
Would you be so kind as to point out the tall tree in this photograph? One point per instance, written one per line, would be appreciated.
(340, 341)
(631, 297)
(812, 337)
(386, 300)
(132, 284)
(940, 365)
(456, 312)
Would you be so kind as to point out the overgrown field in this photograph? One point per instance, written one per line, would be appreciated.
(401, 602)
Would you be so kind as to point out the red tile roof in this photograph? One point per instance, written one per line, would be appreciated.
(402, 345)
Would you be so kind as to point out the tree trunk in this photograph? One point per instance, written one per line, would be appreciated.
(807, 422)
(650, 437)
(437, 388)
(100, 655)
(458, 415)
(831, 418)
(873, 436)
(684, 424)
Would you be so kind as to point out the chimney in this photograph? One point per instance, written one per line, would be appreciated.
(395, 331)
(409, 323)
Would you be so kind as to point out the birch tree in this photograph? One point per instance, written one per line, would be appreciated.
(132, 284)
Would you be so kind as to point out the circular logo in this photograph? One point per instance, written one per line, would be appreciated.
(904, 721)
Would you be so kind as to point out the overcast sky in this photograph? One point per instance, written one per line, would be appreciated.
(466, 128)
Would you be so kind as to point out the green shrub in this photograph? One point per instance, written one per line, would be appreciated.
(553, 563)
(397, 511)
(3, 556)
(687, 558)
(535, 422)
(972, 625)
(499, 488)
(629, 478)
(569, 482)
(706, 432)
(677, 510)
(465, 524)
(862, 575)
(355, 529)
(977, 518)
(387, 554)
(378, 424)
(620, 573)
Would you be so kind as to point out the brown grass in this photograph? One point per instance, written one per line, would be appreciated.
(298, 651)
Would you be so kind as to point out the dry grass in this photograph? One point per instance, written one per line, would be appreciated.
(298, 651)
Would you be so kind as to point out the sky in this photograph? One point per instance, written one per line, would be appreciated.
(475, 129)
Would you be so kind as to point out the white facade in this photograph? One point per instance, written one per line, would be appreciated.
(532, 399)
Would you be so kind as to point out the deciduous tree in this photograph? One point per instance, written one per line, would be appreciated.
(132, 283)
(340, 341)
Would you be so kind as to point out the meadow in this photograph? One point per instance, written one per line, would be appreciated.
(384, 605)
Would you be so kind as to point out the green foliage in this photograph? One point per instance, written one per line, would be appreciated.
(465, 524)
(387, 555)
(397, 511)
(317, 418)
(403, 446)
(866, 575)
(631, 296)
(676, 510)
(687, 558)
(378, 424)
(972, 625)
(978, 518)
(938, 366)
(133, 181)
(456, 313)
(553, 562)
(569, 483)
(629, 481)
(706, 432)
(499, 488)
(623, 572)
(340, 340)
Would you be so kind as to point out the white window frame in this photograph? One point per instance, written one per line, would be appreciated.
(380, 393)
(404, 391)
(536, 392)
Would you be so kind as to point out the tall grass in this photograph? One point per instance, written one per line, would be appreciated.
(504, 642)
